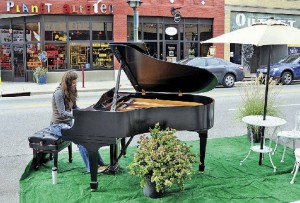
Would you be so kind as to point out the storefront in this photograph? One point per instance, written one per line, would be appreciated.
(77, 36)
(239, 14)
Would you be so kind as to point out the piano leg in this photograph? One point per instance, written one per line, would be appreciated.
(93, 169)
(114, 164)
(203, 141)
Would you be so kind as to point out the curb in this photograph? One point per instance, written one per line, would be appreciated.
(18, 94)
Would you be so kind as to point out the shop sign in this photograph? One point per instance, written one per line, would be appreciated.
(96, 8)
(245, 19)
(171, 31)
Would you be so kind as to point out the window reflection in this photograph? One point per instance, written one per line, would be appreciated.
(102, 31)
(150, 31)
(5, 32)
(18, 32)
(79, 31)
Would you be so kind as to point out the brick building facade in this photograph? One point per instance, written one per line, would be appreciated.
(75, 34)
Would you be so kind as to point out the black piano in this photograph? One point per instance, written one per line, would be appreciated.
(164, 94)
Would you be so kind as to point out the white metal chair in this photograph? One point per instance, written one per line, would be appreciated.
(288, 136)
(296, 166)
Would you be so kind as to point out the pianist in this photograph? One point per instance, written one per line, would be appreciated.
(63, 101)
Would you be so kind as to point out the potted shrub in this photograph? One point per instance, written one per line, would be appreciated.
(40, 75)
(253, 99)
(161, 160)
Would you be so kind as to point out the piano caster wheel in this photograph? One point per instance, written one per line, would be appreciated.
(93, 190)
(201, 172)
(70, 160)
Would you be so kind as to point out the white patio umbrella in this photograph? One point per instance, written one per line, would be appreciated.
(270, 32)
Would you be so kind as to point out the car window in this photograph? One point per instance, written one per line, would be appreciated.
(197, 62)
(289, 59)
(212, 62)
(224, 62)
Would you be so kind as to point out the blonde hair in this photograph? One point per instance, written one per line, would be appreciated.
(66, 85)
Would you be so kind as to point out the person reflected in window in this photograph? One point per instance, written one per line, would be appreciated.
(63, 102)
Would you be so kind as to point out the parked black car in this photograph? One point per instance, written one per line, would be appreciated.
(226, 72)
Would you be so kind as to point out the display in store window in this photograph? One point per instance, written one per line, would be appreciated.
(56, 56)
(5, 57)
(32, 56)
(102, 56)
(81, 59)
(73, 59)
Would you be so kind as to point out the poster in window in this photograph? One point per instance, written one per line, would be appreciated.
(73, 59)
(81, 59)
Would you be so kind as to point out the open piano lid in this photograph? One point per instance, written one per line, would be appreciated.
(148, 74)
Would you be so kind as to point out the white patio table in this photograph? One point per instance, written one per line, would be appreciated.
(269, 122)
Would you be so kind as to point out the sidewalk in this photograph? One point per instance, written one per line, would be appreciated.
(10, 89)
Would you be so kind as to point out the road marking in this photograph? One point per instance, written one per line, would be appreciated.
(283, 105)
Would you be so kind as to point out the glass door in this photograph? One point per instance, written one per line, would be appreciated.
(18, 63)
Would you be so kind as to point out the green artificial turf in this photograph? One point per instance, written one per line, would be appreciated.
(224, 179)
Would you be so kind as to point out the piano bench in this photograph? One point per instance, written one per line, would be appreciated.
(44, 142)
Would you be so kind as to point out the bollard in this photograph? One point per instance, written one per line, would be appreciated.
(82, 70)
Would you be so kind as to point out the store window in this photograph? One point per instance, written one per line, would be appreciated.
(79, 55)
(150, 31)
(205, 33)
(152, 49)
(32, 57)
(102, 31)
(79, 31)
(191, 32)
(18, 32)
(55, 31)
(33, 32)
(56, 54)
(102, 56)
(5, 57)
(191, 50)
(5, 32)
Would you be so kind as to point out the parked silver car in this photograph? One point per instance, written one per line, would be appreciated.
(226, 72)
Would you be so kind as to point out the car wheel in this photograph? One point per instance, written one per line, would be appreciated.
(228, 80)
(286, 78)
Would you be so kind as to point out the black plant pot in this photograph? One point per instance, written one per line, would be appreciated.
(254, 133)
(150, 191)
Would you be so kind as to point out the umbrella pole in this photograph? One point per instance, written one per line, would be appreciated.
(262, 138)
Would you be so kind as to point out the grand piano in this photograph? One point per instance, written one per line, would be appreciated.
(163, 93)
